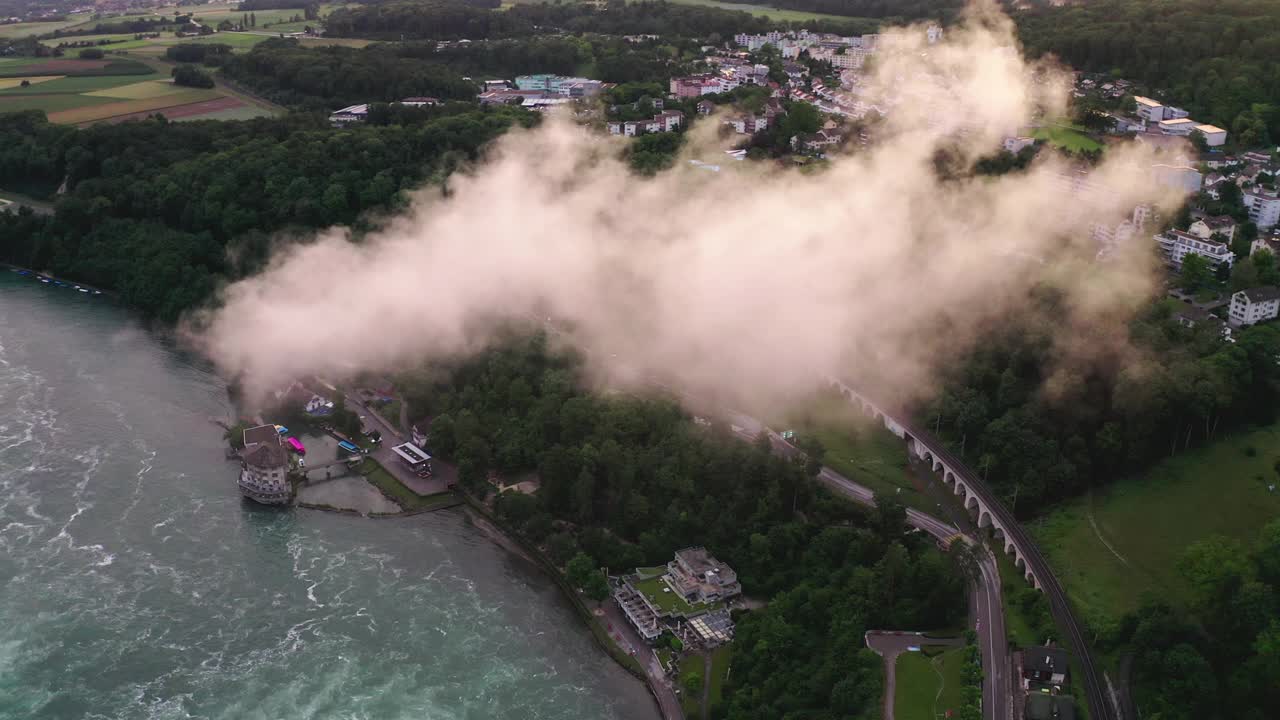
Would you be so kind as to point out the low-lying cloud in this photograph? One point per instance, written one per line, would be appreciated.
(752, 282)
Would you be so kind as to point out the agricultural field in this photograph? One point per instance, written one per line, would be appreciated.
(1125, 541)
(79, 92)
(23, 30)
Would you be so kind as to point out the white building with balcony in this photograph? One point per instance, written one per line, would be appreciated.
(1178, 245)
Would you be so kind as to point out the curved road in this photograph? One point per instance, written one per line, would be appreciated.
(986, 601)
(1063, 615)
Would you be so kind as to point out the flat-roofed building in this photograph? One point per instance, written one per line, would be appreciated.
(1149, 109)
(1177, 126)
(1213, 135)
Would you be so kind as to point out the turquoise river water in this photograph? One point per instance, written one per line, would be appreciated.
(136, 583)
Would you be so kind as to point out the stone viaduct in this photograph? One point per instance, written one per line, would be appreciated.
(991, 513)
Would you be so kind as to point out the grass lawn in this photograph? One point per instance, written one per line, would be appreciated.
(691, 702)
(1015, 622)
(770, 12)
(720, 658)
(1149, 521)
(669, 601)
(407, 499)
(1066, 137)
(950, 664)
(925, 687)
(916, 686)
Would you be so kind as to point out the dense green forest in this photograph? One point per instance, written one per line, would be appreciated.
(443, 20)
(330, 77)
(629, 480)
(163, 212)
(1224, 660)
(1219, 60)
(900, 10)
(1041, 431)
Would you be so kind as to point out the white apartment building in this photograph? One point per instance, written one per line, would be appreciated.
(1177, 245)
(1149, 109)
(1178, 126)
(1264, 208)
(1252, 306)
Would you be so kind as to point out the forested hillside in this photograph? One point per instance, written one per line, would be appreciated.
(1042, 425)
(1219, 60)
(628, 481)
(164, 212)
(441, 20)
(329, 77)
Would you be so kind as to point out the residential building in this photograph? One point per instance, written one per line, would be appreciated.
(1213, 135)
(700, 578)
(638, 612)
(665, 121)
(1263, 206)
(264, 467)
(1045, 666)
(706, 107)
(748, 124)
(1192, 316)
(1207, 227)
(697, 85)
(1255, 305)
(1177, 245)
(1270, 244)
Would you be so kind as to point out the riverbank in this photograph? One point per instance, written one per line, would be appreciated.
(668, 705)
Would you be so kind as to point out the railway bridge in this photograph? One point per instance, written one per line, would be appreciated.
(991, 513)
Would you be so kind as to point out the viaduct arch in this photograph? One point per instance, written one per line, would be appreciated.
(991, 513)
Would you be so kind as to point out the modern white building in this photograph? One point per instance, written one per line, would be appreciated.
(1263, 206)
(264, 467)
(1177, 245)
(1255, 305)
(1213, 135)
(1178, 126)
(1149, 109)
